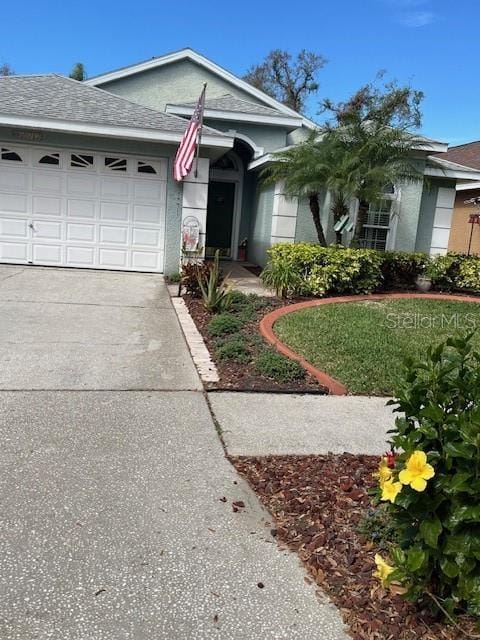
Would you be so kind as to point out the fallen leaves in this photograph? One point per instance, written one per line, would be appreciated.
(317, 503)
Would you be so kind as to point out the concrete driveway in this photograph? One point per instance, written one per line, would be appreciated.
(116, 517)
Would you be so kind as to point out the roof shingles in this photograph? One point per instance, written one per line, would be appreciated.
(466, 154)
(228, 102)
(55, 97)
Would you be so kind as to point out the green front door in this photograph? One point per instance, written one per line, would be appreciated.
(221, 202)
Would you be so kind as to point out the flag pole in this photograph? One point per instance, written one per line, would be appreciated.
(200, 129)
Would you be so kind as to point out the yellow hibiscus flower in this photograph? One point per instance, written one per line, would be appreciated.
(417, 471)
(383, 569)
(390, 490)
(384, 473)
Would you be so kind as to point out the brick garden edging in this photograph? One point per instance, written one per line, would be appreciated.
(335, 387)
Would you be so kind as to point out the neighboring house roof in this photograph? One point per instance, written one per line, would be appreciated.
(441, 167)
(59, 103)
(232, 109)
(467, 155)
(190, 54)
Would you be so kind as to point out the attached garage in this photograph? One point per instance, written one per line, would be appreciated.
(81, 209)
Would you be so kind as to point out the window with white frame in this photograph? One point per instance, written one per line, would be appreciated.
(378, 221)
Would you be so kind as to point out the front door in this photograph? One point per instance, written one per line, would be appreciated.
(220, 207)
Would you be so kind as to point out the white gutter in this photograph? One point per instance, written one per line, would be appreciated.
(110, 131)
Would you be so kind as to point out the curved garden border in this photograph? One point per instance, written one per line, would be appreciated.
(335, 387)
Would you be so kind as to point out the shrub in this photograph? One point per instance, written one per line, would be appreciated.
(444, 271)
(215, 293)
(273, 365)
(241, 305)
(469, 273)
(235, 349)
(223, 323)
(190, 273)
(400, 269)
(309, 269)
(434, 484)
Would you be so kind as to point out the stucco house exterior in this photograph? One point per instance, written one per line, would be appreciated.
(86, 172)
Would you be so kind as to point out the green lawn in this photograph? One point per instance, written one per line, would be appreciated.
(363, 344)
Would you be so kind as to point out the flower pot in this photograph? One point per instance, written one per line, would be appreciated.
(423, 283)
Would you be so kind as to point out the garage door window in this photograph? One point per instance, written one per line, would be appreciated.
(116, 164)
(144, 167)
(50, 158)
(8, 154)
(81, 161)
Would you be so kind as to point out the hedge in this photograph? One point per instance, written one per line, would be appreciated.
(311, 270)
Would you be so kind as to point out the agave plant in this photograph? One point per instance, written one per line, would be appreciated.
(214, 288)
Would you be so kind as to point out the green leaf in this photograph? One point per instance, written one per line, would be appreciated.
(398, 556)
(430, 529)
(459, 450)
(449, 567)
(416, 558)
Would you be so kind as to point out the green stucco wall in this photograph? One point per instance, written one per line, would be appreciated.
(177, 82)
(409, 213)
(305, 229)
(269, 137)
(261, 225)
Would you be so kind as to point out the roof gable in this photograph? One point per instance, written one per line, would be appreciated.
(467, 155)
(189, 54)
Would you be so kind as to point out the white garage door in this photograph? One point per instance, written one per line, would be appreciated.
(81, 209)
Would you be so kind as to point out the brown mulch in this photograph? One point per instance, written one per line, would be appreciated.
(317, 503)
(237, 376)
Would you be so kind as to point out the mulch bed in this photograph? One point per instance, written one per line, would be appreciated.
(317, 503)
(237, 376)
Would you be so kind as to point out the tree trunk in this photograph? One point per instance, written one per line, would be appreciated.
(339, 209)
(315, 209)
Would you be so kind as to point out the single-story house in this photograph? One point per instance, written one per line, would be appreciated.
(86, 172)
(463, 235)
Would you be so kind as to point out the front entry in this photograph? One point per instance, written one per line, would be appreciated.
(220, 208)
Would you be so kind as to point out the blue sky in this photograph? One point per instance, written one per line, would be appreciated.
(431, 44)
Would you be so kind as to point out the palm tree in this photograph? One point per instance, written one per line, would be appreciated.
(367, 148)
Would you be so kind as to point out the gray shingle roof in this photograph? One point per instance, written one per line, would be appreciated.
(58, 98)
(228, 102)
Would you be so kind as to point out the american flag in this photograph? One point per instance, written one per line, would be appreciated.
(188, 146)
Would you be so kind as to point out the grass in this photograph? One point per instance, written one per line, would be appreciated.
(364, 344)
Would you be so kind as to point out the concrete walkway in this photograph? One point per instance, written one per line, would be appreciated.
(116, 519)
(242, 279)
(279, 424)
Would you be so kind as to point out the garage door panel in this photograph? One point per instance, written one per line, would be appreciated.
(148, 190)
(81, 212)
(85, 185)
(81, 208)
(47, 206)
(44, 230)
(80, 256)
(14, 251)
(114, 211)
(80, 232)
(147, 213)
(113, 258)
(146, 237)
(14, 228)
(146, 260)
(13, 202)
(13, 179)
(47, 181)
(114, 235)
(47, 253)
(114, 188)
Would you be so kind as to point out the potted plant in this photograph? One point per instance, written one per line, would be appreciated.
(423, 281)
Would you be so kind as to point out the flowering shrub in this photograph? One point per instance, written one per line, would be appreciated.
(431, 490)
